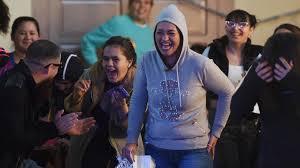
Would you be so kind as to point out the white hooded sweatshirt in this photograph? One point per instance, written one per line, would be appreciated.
(176, 97)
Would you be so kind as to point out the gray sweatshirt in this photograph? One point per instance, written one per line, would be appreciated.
(176, 98)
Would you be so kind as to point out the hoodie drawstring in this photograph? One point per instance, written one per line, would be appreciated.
(167, 88)
(178, 85)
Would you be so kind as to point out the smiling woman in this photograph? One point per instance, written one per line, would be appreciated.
(167, 40)
(100, 93)
(170, 84)
(25, 30)
(233, 53)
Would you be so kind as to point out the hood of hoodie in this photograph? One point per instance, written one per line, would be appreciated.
(173, 15)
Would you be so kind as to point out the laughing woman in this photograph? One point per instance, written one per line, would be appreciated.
(103, 91)
(172, 80)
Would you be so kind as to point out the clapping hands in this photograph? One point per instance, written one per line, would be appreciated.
(71, 125)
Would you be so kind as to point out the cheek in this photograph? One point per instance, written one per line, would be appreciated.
(122, 70)
(35, 37)
(177, 42)
(18, 39)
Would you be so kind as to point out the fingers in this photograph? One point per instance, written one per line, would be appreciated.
(211, 146)
(128, 155)
(211, 150)
(285, 63)
(282, 70)
(70, 117)
(80, 127)
(64, 127)
(264, 71)
(129, 151)
(66, 122)
(87, 123)
(82, 85)
(58, 114)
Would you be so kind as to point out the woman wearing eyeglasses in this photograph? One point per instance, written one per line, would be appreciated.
(234, 54)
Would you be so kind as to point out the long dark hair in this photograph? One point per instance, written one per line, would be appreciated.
(288, 26)
(4, 17)
(286, 45)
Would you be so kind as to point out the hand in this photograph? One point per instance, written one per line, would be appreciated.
(211, 146)
(129, 151)
(82, 86)
(82, 126)
(281, 71)
(66, 122)
(120, 104)
(264, 71)
(3, 53)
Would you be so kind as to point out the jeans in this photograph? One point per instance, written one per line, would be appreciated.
(194, 158)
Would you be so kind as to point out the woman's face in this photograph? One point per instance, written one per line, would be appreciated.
(238, 32)
(167, 38)
(25, 34)
(140, 10)
(115, 63)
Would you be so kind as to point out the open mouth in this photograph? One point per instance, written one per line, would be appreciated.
(112, 74)
(165, 46)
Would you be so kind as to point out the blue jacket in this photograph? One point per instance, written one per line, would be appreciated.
(116, 26)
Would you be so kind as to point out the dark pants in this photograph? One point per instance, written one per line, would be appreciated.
(238, 145)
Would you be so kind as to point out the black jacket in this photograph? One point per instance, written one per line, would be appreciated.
(280, 116)
(20, 128)
(217, 53)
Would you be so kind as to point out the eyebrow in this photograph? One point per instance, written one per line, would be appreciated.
(105, 56)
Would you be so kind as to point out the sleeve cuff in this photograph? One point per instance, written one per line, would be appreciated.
(217, 130)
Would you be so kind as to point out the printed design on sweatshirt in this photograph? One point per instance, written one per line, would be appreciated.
(168, 109)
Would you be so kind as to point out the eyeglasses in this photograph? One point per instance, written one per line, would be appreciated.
(46, 66)
(54, 64)
(240, 25)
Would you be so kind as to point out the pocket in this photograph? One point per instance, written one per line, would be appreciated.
(169, 130)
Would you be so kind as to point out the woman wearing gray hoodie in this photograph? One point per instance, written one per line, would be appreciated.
(172, 82)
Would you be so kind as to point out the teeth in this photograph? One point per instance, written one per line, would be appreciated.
(165, 47)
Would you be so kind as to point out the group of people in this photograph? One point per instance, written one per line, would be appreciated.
(196, 109)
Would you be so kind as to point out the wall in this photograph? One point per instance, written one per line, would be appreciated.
(17, 8)
(267, 8)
